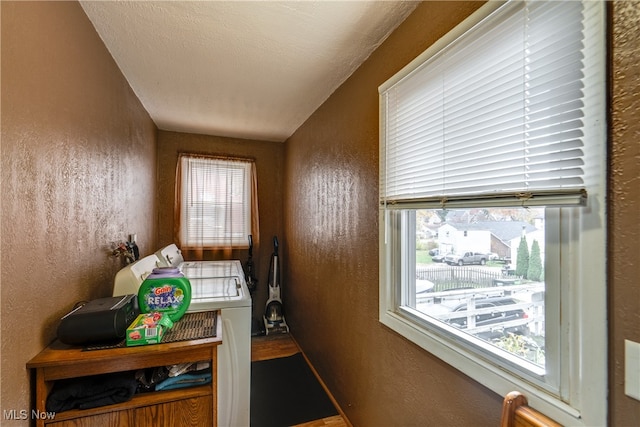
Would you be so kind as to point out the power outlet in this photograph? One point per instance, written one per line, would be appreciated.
(632, 369)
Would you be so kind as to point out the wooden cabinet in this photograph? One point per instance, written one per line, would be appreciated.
(193, 406)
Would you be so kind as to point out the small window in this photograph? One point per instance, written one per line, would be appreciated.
(493, 141)
(216, 201)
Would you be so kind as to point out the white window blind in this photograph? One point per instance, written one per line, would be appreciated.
(215, 201)
(497, 115)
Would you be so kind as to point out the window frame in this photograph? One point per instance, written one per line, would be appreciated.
(575, 239)
(228, 240)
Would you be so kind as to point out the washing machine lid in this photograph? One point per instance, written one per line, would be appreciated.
(210, 269)
(221, 287)
(216, 285)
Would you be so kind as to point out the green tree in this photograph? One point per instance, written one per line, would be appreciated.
(535, 263)
(522, 263)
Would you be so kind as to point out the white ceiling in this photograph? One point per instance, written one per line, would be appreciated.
(245, 69)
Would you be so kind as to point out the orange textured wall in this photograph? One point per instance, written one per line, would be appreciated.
(624, 203)
(78, 172)
(269, 158)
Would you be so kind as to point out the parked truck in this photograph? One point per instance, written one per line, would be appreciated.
(466, 258)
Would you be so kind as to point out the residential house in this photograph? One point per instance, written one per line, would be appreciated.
(498, 237)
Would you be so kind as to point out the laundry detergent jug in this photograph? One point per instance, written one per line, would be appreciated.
(167, 291)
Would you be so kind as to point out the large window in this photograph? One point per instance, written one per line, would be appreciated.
(217, 203)
(492, 228)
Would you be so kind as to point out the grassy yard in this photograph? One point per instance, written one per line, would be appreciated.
(422, 257)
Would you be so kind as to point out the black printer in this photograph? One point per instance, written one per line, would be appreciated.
(104, 320)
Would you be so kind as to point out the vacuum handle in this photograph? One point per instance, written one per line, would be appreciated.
(275, 245)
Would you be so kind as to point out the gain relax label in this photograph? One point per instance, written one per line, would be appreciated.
(166, 292)
(164, 296)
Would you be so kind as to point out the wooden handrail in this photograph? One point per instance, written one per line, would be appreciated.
(516, 412)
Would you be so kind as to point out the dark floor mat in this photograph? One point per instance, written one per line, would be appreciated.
(285, 392)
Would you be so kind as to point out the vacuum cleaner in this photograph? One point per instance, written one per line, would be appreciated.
(252, 284)
(274, 321)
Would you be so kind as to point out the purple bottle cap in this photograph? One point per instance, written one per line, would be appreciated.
(165, 272)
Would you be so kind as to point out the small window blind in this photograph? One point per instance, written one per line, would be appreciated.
(496, 117)
(215, 201)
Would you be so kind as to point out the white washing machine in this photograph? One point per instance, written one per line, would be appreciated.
(215, 285)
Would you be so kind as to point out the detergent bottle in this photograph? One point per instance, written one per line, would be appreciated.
(167, 291)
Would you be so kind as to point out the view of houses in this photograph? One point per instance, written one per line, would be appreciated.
(468, 276)
(497, 232)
